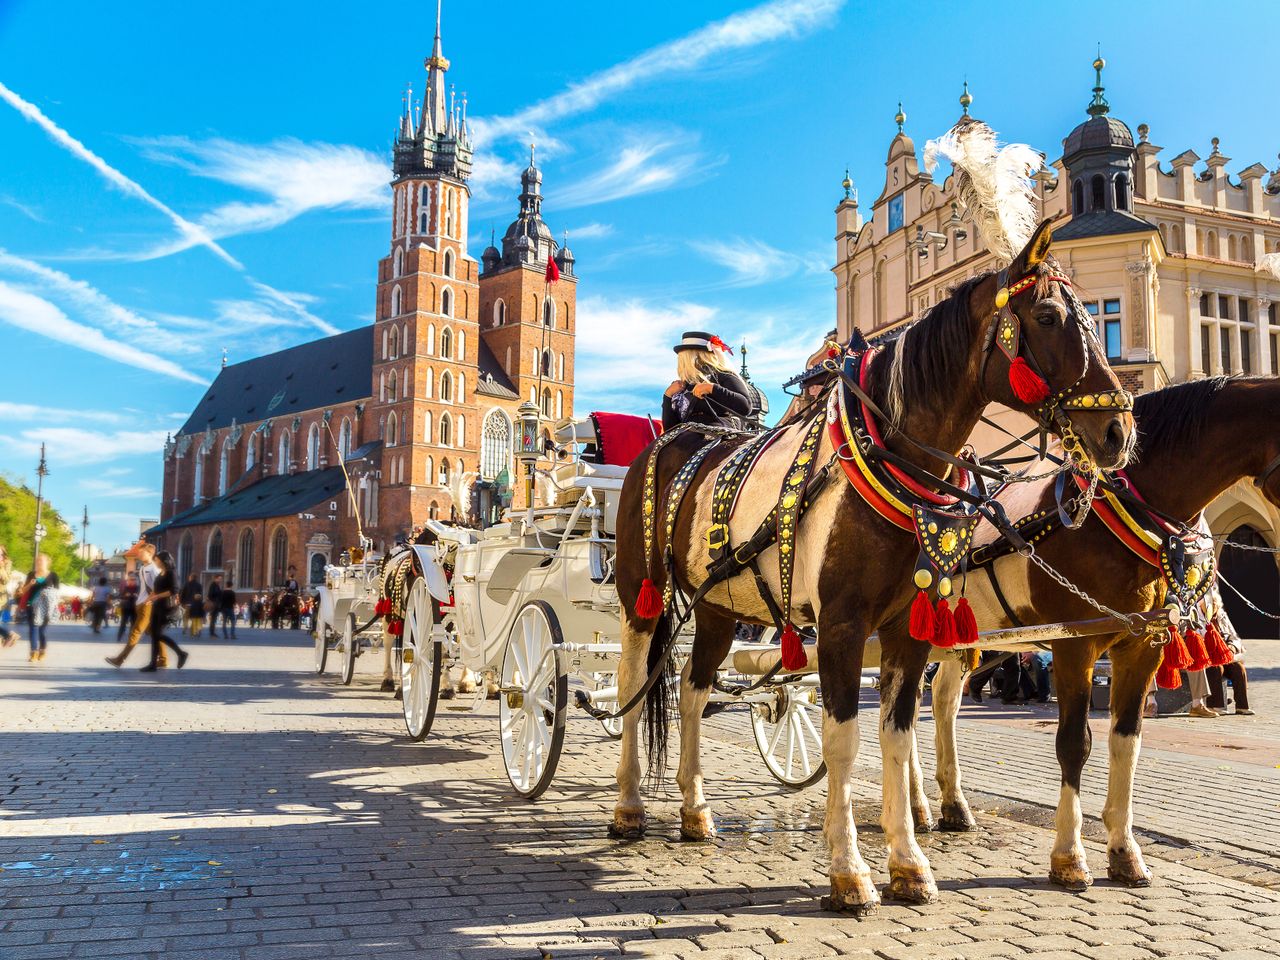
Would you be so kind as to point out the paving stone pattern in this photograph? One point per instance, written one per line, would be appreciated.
(243, 808)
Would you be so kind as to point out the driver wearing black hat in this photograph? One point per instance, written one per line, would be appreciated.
(707, 391)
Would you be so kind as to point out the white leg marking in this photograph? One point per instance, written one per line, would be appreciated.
(695, 815)
(629, 812)
(948, 683)
(1124, 857)
(909, 872)
(839, 750)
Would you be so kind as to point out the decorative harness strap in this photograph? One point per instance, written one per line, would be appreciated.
(789, 511)
(728, 487)
(675, 498)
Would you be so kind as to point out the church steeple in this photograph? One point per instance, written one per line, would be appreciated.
(440, 143)
(434, 113)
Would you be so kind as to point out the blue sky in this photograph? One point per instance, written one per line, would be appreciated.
(176, 181)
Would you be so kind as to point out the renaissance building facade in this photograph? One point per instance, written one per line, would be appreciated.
(417, 410)
(1164, 251)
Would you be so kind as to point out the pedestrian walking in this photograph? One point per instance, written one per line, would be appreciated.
(147, 572)
(192, 599)
(98, 606)
(7, 636)
(127, 606)
(215, 603)
(161, 600)
(227, 610)
(40, 596)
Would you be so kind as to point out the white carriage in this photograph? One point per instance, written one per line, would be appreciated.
(346, 622)
(533, 600)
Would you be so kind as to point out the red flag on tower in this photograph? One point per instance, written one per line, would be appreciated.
(553, 272)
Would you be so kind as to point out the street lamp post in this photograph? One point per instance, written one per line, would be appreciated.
(42, 471)
(84, 557)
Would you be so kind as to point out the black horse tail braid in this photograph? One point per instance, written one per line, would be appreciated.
(660, 700)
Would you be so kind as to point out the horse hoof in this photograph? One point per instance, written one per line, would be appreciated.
(956, 818)
(1127, 868)
(1070, 873)
(627, 825)
(923, 820)
(911, 885)
(852, 895)
(388, 686)
(399, 695)
(697, 825)
(448, 693)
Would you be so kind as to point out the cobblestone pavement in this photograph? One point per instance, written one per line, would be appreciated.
(244, 808)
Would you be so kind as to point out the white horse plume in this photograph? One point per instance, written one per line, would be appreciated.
(1269, 263)
(993, 183)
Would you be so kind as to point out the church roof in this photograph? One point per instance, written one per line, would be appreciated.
(1101, 223)
(1098, 133)
(493, 380)
(273, 496)
(320, 373)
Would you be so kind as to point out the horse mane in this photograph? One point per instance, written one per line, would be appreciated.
(1176, 415)
(927, 355)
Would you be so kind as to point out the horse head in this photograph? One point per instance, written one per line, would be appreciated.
(1042, 356)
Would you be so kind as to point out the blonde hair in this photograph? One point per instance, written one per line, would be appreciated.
(696, 366)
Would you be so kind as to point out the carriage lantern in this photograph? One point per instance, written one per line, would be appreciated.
(528, 451)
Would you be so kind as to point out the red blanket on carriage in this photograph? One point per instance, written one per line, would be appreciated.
(620, 437)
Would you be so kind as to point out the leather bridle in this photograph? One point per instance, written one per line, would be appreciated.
(1053, 414)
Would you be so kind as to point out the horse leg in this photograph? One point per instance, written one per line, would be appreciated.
(711, 644)
(388, 675)
(628, 814)
(1073, 672)
(1133, 665)
(902, 665)
(921, 810)
(840, 672)
(948, 684)
(467, 682)
(447, 688)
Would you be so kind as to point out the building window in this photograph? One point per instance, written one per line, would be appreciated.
(546, 363)
(224, 467)
(1122, 192)
(499, 313)
(1206, 360)
(344, 439)
(1275, 353)
(1246, 350)
(462, 345)
(391, 388)
(546, 402)
(391, 429)
(446, 387)
(1077, 198)
(197, 485)
(1098, 191)
(1206, 305)
(548, 312)
(560, 368)
(428, 380)
(186, 558)
(1224, 306)
(279, 557)
(399, 262)
(1112, 328)
(395, 343)
(422, 223)
(244, 559)
(1224, 348)
(446, 343)
(495, 444)
(395, 307)
(446, 430)
(426, 428)
(461, 438)
(313, 447)
(462, 388)
(282, 461)
(215, 551)
(1244, 311)
(443, 476)
(448, 263)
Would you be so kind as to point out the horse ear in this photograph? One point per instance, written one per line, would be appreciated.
(1036, 250)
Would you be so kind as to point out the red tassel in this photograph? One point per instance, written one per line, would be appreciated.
(649, 603)
(1219, 653)
(395, 627)
(945, 635)
(793, 655)
(966, 622)
(1196, 649)
(1167, 677)
(923, 624)
(1175, 659)
(383, 606)
(1028, 386)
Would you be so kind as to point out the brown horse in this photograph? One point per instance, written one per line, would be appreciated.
(1196, 440)
(853, 568)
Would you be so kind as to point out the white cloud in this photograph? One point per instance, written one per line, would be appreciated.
(770, 21)
(752, 262)
(113, 176)
(591, 231)
(297, 178)
(106, 489)
(639, 167)
(88, 446)
(28, 211)
(30, 312)
(31, 411)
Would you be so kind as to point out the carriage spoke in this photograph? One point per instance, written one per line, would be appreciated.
(773, 741)
(805, 765)
(808, 723)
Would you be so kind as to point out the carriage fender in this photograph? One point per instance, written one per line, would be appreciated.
(433, 573)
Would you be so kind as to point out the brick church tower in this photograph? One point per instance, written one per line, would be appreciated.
(527, 323)
(425, 331)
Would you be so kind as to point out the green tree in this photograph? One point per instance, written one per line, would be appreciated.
(17, 523)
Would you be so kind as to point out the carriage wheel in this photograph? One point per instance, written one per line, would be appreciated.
(350, 647)
(788, 734)
(612, 726)
(419, 663)
(533, 700)
(322, 647)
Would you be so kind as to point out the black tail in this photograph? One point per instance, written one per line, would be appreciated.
(659, 702)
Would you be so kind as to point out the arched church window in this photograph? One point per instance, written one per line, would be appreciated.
(1077, 198)
(495, 444)
(399, 262)
(1098, 189)
(448, 263)
(446, 343)
(499, 313)
(446, 387)
(446, 302)
(548, 312)
(395, 302)
(1122, 192)
(446, 430)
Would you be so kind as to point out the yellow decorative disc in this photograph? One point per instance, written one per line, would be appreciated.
(924, 579)
(648, 506)
(804, 458)
(949, 541)
(944, 587)
(789, 501)
(1194, 576)
(933, 528)
(785, 548)
(1086, 400)
(1105, 400)
(1002, 297)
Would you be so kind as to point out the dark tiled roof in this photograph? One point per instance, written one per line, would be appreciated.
(364, 450)
(311, 375)
(275, 496)
(493, 380)
(1097, 133)
(1100, 223)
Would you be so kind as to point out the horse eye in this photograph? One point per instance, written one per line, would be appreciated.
(1047, 318)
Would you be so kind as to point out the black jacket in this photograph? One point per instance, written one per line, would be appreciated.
(728, 404)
